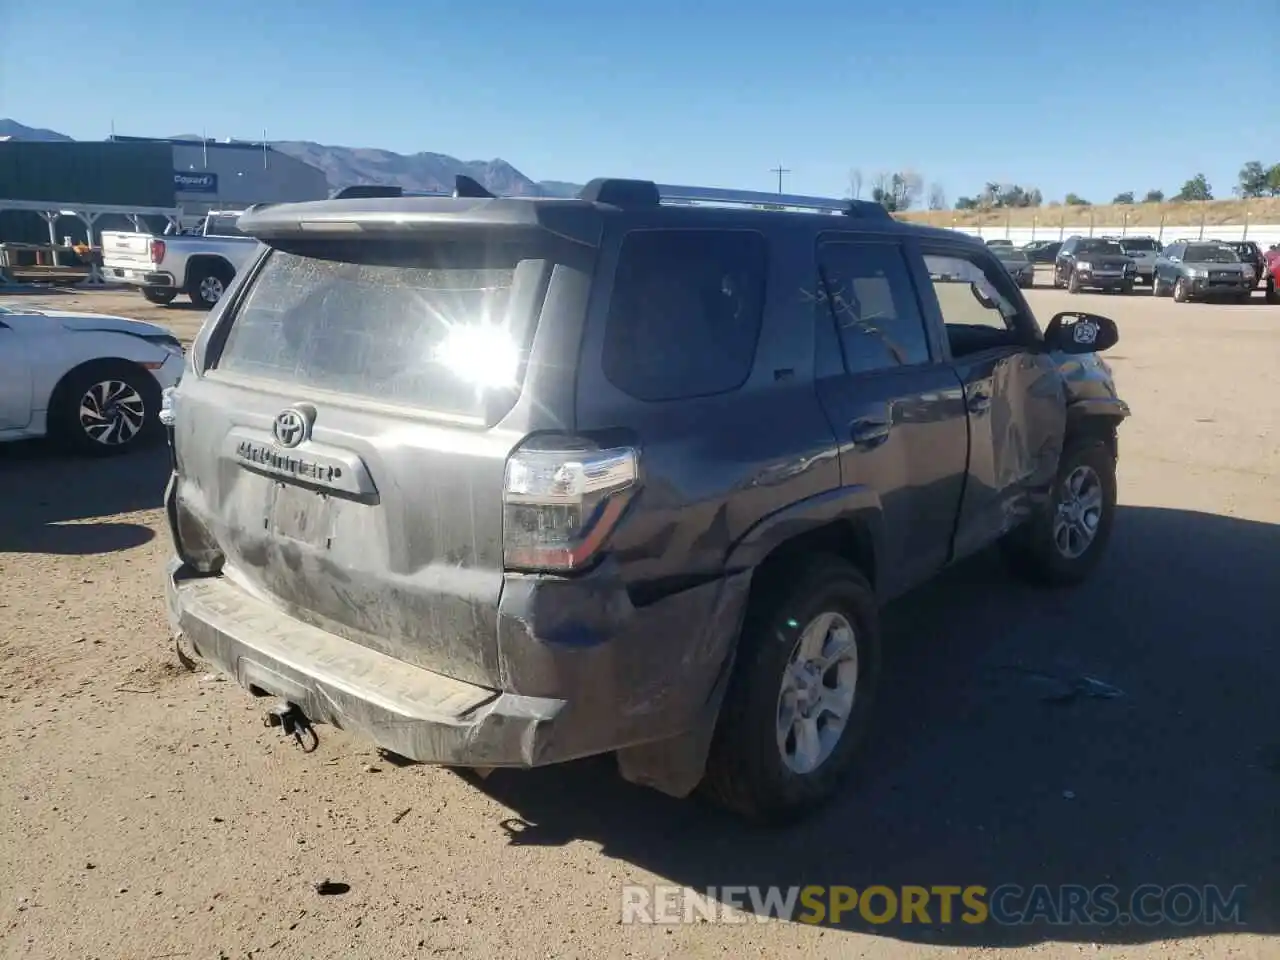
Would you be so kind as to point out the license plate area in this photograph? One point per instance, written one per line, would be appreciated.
(299, 514)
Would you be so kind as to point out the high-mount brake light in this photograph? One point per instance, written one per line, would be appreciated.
(561, 501)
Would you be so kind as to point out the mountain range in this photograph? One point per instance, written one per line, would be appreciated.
(344, 166)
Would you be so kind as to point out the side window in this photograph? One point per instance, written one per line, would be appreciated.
(976, 302)
(1173, 250)
(869, 291)
(684, 315)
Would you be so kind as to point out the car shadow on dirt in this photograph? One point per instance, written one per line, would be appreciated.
(1122, 733)
(54, 503)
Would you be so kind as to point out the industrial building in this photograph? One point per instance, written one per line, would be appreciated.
(231, 174)
(56, 189)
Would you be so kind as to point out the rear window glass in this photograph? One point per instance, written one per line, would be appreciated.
(224, 227)
(416, 324)
(1138, 245)
(685, 312)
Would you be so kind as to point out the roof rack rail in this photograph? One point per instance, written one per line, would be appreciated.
(647, 193)
(671, 193)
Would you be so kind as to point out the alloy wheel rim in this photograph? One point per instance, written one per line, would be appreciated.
(210, 289)
(816, 699)
(112, 413)
(1079, 513)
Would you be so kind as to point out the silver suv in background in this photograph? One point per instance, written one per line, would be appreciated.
(1143, 251)
(1195, 270)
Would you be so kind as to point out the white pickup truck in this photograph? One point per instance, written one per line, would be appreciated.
(200, 264)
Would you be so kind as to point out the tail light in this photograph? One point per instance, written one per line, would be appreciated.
(562, 498)
(157, 251)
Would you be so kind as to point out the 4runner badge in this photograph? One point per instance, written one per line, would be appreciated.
(291, 428)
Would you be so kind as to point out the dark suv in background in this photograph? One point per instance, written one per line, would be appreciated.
(1250, 253)
(1096, 263)
(512, 481)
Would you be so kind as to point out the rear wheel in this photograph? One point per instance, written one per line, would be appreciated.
(105, 408)
(208, 283)
(799, 702)
(1273, 291)
(159, 295)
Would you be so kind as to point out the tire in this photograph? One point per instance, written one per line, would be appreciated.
(207, 284)
(1127, 288)
(1057, 279)
(748, 770)
(1180, 290)
(125, 397)
(159, 295)
(1037, 551)
(1073, 283)
(1273, 291)
(1157, 289)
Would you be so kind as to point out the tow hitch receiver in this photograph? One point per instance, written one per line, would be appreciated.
(293, 723)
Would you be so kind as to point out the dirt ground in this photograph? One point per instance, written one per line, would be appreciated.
(146, 812)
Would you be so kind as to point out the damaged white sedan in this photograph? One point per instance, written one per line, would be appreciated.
(89, 381)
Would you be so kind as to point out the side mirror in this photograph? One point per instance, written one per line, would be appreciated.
(1081, 333)
(981, 297)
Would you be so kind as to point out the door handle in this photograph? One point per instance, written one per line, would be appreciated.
(868, 433)
(979, 403)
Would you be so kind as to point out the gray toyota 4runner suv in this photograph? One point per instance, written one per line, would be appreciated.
(503, 482)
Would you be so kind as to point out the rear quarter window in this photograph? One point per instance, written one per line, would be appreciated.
(419, 324)
(685, 312)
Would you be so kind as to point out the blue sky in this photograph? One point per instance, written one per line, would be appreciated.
(1082, 96)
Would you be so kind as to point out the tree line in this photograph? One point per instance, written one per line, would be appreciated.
(906, 189)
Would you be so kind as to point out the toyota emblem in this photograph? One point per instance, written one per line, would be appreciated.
(290, 428)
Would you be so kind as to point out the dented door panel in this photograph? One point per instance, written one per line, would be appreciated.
(1017, 420)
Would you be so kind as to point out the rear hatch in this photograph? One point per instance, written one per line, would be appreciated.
(345, 447)
(121, 249)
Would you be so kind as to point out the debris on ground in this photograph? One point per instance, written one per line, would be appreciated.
(1064, 690)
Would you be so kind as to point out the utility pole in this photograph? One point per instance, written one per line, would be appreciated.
(779, 170)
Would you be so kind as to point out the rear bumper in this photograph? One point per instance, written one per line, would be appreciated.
(138, 277)
(631, 689)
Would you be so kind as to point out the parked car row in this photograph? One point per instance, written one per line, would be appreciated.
(1185, 269)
